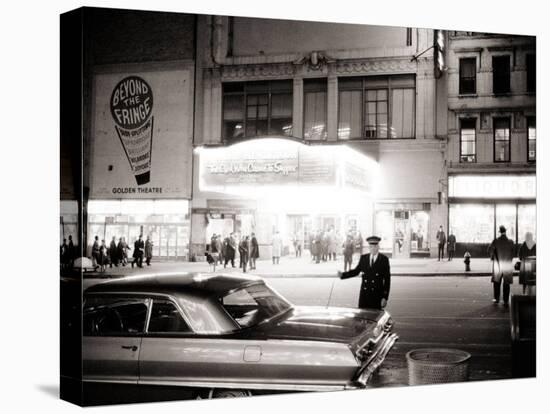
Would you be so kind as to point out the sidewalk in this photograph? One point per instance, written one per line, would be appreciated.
(304, 267)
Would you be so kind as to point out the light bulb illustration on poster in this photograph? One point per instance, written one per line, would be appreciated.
(132, 110)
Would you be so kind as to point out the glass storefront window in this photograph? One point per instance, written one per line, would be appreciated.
(506, 216)
(166, 221)
(527, 221)
(68, 223)
(420, 223)
(383, 228)
(472, 223)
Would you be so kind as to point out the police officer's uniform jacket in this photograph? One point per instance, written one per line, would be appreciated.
(375, 285)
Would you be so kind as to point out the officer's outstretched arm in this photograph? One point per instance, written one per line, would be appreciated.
(353, 272)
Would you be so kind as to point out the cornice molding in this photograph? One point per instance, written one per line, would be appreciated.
(376, 66)
(289, 69)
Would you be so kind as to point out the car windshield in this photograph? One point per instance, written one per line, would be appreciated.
(254, 304)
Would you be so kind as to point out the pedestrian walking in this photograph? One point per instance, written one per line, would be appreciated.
(95, 253)
(332, 245)
(528, 249)
(348, 248)
(277, 246)
(441, 241)
(125, 249)
(139, 247)
(451, 246)
(103, 256)
(297, 241)
(229, 253)
(148, 250)
(113, 253)
(72, 252)
(501, 252)
(244, 249)
(63, 258)
(218, 248)
(254, 251)
(374, 268)
(120, 251)
(324, 246)
(316, 247)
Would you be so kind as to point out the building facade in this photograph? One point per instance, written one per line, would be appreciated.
(492, 137)
(129, 172)
(331, 88)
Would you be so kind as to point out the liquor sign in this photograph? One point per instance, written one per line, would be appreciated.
(493, 186)
(142, 134)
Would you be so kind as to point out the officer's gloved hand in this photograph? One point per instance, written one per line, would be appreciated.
(383, 303)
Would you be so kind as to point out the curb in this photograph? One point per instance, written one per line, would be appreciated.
(91, 275)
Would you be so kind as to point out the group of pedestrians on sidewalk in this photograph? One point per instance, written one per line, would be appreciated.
(224, 252)
(117, 253)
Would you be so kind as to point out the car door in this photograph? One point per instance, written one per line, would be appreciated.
(173, 354)
(112, 333)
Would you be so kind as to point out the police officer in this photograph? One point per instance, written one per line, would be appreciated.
(375, 270)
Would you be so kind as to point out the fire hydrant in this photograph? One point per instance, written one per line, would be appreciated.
(467, 261)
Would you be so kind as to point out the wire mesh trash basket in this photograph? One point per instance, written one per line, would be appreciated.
(437, 366)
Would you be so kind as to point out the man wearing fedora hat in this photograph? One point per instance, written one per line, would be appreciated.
(375, 272)
(501, 252)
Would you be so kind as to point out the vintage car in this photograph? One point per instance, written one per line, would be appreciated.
(225, 335)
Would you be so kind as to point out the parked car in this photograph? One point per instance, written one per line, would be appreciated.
(226, 335)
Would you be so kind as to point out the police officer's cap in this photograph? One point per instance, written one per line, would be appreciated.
(373, 240)
(502, 229)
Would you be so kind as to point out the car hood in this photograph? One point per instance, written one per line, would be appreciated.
(324, 324)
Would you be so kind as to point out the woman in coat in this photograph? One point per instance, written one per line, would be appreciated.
(254, 251)
(501, 252)
(148, 250)
(103, 256)
(527, 249)
(244, 250)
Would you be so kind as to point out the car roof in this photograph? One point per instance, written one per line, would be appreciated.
(202, 284)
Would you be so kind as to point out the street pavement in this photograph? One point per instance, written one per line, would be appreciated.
(435, 305)
(304, 266)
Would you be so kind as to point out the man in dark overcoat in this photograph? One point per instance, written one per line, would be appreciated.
(501, 252)
(139, 248)
(375, 272)
(230, 247)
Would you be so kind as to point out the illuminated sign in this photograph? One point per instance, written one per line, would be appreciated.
(273, 162)
(493, 186)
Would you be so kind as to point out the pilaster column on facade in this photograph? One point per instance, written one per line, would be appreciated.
(426, 110)
(297, 105)
(217, 101)
(212, 106)
(332, 108)
(198, 236)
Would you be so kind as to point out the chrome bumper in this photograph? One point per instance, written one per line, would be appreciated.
(375, 360)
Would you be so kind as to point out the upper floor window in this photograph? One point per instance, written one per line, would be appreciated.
(253, 109)
(501, 135)
(501, 74)
(467, 76)
(531, 66)
(376, 107)
(315, 109)
(467, 140)
(531, 139)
